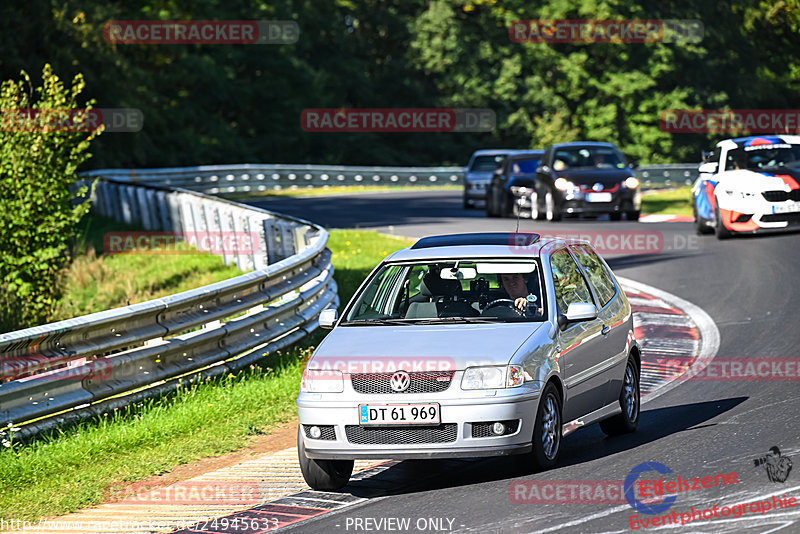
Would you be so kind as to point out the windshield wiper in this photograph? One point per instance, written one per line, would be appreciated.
(443, 320)
(372, 322)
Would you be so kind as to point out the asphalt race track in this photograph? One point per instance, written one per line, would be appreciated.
(749, 286)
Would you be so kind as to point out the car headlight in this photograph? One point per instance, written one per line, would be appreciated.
(322, 381)
(520, 190)
(740, 194)
(492, 377)
(563, 184)
(631, 182)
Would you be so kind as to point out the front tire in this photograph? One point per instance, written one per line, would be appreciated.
(490, 212)
(323, 475)
(547, 429)
(630, 402)
(699, 227)
(719, 227)
(632, 215)
(550, 212)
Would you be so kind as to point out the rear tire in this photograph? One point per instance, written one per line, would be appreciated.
(323, 475)
(630, 402)
(719, 228)
(699, 226)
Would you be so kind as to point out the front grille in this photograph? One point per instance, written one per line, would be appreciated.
(402, 435)
(792, 217)
(484, 430)
(327, 432)
(421, 382)
(781, 196)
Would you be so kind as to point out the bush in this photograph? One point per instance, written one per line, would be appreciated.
(39, 206)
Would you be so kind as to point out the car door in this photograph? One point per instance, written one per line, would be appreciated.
(581, 343)
(614, 316)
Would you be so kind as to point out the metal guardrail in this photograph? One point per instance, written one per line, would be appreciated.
(83, 366)
(216, 179)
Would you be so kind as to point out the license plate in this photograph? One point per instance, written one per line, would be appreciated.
(398, 414)
(598, 197)
(786, 207)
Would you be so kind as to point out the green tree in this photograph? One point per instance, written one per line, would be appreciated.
(44, 138)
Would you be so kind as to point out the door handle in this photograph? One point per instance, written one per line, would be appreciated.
(605, 330)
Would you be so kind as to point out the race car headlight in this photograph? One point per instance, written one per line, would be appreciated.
(631, 182)
(322, 381)
(492, 377)
(562, 184)
(740, 194)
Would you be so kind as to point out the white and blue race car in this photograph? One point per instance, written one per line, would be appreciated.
(749, 185)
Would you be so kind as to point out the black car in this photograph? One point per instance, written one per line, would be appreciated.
(585, 178)
(512, 184)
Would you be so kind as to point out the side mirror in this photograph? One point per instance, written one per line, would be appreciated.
(577, 311)
(328, 318)
(633, 165)
(543, 168)
(707, 155)
(708, 168)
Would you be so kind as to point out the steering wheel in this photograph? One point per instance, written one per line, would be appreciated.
(503, 302)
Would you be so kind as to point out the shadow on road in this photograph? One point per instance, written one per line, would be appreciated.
(583, 446)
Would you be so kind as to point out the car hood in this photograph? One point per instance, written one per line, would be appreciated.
(590, 176)
(747, 180)
(421, 347)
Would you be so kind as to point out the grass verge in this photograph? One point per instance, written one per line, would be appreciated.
(74, 467)
(672, 202)
(95, 281)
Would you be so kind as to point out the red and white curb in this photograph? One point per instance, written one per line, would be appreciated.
(665, 325)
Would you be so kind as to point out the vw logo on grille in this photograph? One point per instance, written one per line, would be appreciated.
(400, 381)
(598, 186)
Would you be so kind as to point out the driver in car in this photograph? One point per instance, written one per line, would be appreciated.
(516, 285)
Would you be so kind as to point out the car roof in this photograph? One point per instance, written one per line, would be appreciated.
(492, 152)
(758, 140)
(584, 143)
(526, 152)
(511, 245)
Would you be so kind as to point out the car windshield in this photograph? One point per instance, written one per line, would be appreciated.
(764, 157)
(486, 163)
(524, 166)
(476, 291)
(598, 157)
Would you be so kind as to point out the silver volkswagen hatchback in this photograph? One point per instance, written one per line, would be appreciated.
(470, 345)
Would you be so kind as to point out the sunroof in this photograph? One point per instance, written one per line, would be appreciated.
(490, 238)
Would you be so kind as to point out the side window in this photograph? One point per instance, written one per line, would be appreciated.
(568, 281)
(601, 281)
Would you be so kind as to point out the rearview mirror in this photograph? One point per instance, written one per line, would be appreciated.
(328, 318)
(577, 311)
(708, 168)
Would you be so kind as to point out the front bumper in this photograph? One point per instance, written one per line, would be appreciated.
(580, 202)
(333, 409)
(756, 214)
